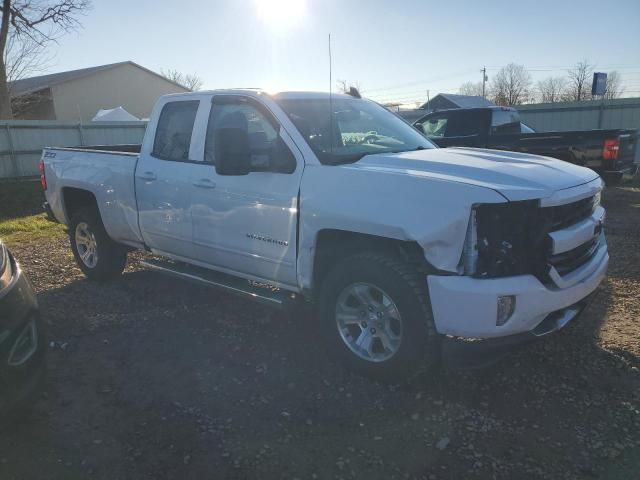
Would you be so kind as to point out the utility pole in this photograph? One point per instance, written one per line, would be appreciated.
(428, 99)
(484, 81)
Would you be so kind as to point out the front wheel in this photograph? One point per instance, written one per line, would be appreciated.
(97, 255)
(375, 312)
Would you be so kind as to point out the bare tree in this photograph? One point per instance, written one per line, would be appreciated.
(188, 80)
(24, 58)
(471, 88)
(551, 89)
(33, 22)
(614, 86)
(511, 85)
(579, 82)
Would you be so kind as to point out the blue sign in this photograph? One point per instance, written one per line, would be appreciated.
(599, 85)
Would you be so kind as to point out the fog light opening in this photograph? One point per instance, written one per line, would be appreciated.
(506, 305)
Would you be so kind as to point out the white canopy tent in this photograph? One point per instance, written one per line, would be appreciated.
(117, 114)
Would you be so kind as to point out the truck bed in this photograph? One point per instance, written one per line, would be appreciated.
(108, 173)
(124, 148)
(580, 147)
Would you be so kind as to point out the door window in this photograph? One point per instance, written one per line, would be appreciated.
(435, 127)
(173, 133)
(262, 131)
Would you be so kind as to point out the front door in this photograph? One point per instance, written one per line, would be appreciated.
(246, 224)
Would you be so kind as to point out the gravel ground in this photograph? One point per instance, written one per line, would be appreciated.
(149, 379)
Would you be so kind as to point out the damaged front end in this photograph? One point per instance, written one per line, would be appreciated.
(543, 262)
(505, 239)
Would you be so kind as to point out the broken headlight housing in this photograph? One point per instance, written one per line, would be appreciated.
(504, 239)
(6, 269)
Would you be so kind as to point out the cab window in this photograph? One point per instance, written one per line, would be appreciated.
(173, 133)
(505, 121)
(262, 134)
(435, 126)
(464, 123)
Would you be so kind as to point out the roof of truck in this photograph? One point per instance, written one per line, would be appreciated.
(318, 95)
(277, 95)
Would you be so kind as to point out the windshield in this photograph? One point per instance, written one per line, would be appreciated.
(360, 127)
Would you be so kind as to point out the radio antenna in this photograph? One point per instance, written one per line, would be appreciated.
(330, 101)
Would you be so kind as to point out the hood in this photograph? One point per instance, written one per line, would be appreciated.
(516, 176)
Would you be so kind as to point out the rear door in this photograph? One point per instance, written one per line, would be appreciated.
(163, 180)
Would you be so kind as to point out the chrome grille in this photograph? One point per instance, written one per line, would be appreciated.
(563, 216)
(567, 262)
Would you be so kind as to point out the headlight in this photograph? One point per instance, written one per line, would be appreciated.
(503, 239)
(6, 271)
(596, 200)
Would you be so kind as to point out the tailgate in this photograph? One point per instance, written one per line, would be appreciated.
(627, 151)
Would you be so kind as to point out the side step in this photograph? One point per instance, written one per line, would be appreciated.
(260, 292)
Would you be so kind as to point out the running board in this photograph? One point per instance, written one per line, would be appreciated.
(261, 292)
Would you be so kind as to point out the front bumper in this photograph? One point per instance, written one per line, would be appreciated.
(22, 346)
(467, 307)
(471, 353)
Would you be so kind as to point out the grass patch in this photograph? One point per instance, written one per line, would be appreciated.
(20, 198)
(26, 229)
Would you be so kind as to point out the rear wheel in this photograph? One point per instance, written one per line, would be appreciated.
(97, 255)
(376, 315)
(612, 179)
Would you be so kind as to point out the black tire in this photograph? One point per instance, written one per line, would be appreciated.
(613, 179)
(419, 345)
(111, 256)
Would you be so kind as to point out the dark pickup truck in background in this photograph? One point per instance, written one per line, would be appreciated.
(609, 152)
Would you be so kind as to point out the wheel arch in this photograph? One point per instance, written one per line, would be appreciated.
(332, 245)
(74, 199)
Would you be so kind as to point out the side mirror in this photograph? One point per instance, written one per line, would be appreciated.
(232, 154)
(418, 126)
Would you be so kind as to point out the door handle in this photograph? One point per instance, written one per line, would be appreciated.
(147, 176)
(204, 183)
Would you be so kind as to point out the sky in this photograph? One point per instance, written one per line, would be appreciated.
(395, 50)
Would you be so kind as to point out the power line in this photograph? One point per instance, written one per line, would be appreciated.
(421, 93)
(402, 89)
(562, 67)
(418, 82)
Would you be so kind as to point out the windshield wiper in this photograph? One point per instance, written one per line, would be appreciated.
(345, 158)
(357, 156)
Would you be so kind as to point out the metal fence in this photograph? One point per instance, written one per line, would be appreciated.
(22, 141)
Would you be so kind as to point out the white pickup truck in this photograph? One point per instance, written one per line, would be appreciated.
(401, 246)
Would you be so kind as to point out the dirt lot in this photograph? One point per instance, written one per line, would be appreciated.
(150, 379)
